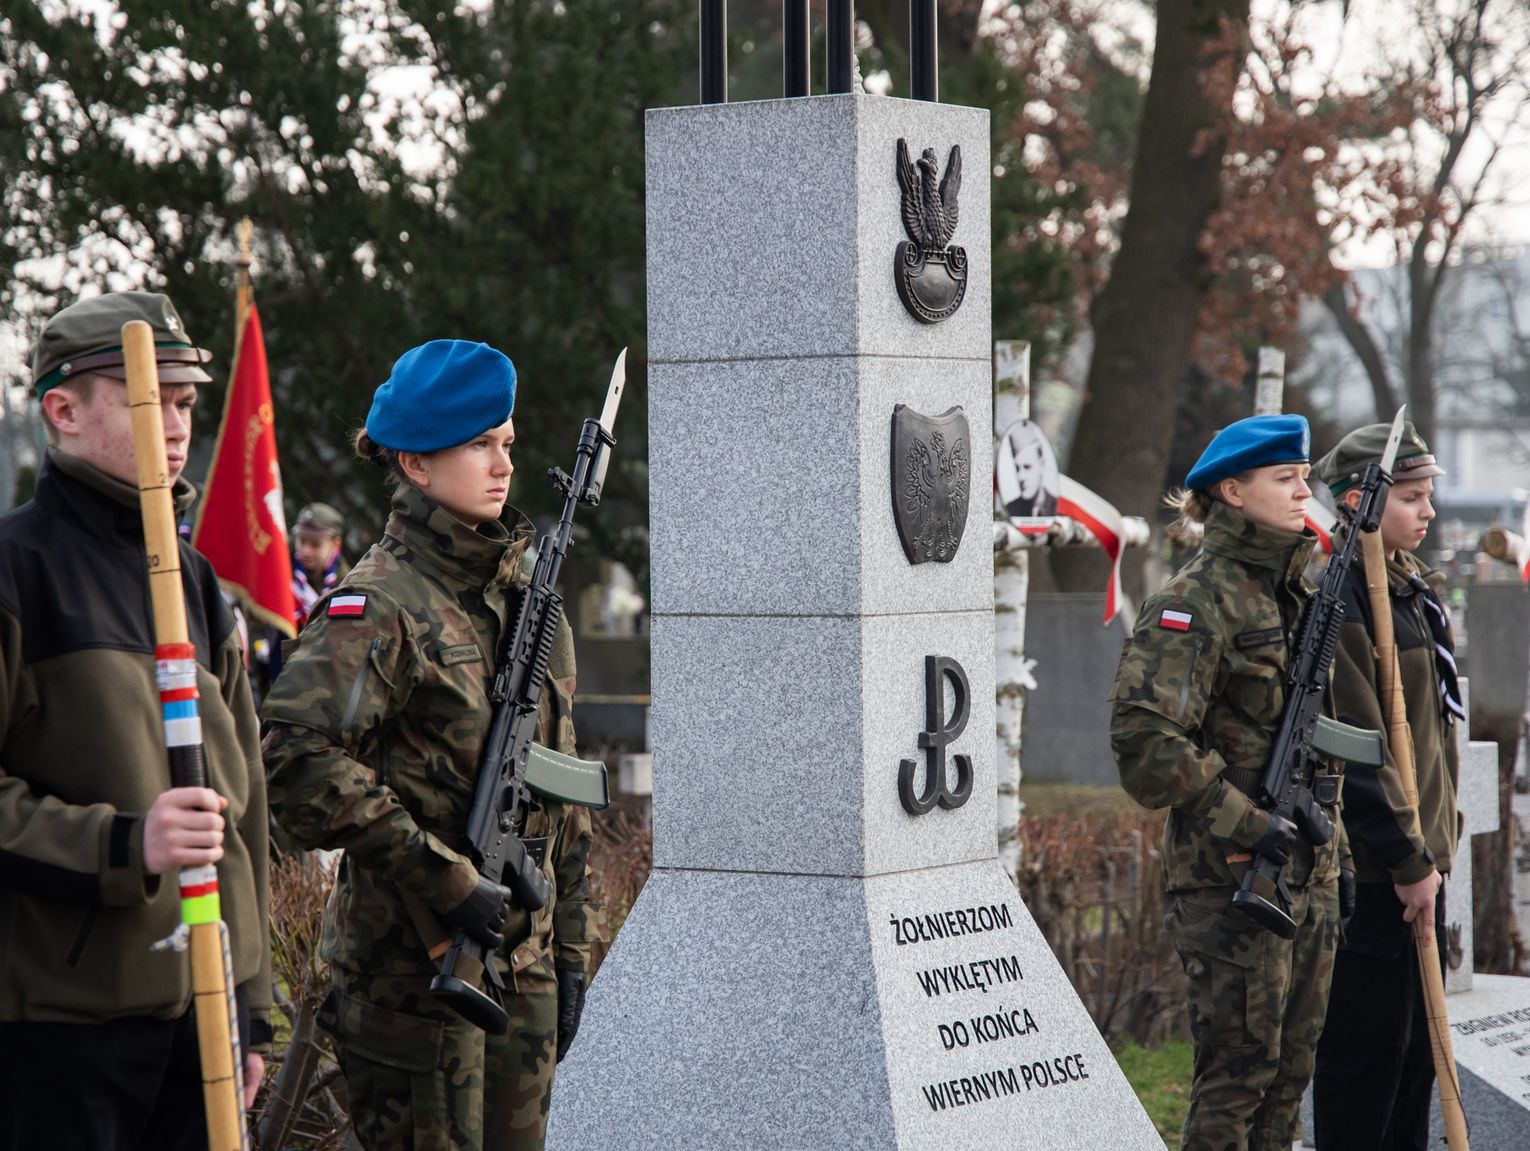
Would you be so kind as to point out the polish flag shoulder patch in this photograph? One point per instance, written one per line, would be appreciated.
(347, 605)
(1175, 620)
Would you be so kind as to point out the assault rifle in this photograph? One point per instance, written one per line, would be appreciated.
(1305, 733)
(512, 764)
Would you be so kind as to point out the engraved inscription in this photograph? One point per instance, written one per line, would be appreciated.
(975, 1008)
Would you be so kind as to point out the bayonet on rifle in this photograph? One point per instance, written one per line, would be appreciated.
(512, 765)
(1305, 733)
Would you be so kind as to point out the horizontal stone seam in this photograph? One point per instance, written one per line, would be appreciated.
(754, 359)
(848, 875)
(814, 616)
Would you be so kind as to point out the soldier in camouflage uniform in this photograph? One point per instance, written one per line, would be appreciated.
(375, 729)
(1196, 702)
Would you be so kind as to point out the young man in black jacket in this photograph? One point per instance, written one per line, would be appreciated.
(98, 1045)
(1375, 1072)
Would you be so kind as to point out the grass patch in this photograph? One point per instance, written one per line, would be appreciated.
(1161, 1077)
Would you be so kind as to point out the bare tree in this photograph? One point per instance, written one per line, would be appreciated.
(1476, 53)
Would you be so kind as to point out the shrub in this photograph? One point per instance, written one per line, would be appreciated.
(301, 1103)
(620, 859)
(1092, 882)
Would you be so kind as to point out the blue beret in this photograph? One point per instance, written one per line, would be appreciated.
(1255, 442)
(442, 394)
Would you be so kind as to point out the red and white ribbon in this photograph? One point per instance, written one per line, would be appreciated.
(1322, 521)
(1103, 522)
(1523, 555)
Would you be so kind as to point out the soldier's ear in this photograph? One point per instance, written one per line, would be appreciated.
(61, 408)
(1352, 498)
(1230, 493)
(416, 468)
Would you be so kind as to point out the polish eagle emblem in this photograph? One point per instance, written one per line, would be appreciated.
(931, 480)
(930, 271)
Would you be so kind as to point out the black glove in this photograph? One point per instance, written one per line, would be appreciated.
(1275, 843)
(482, 914)
(570, 1006)
(1347, 894)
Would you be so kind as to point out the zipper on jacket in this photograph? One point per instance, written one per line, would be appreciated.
(1184, 688)
(354, 702)
(87, 925)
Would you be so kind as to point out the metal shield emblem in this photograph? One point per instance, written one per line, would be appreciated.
(930, 271)
(931, 481)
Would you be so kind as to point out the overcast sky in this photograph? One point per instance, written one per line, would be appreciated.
(1346, 47)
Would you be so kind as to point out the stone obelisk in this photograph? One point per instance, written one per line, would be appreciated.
(811, 964)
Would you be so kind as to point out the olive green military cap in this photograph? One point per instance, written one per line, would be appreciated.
(323, 517)
(86, 337)
(1344, 467)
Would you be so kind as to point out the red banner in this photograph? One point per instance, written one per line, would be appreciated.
(241, 526)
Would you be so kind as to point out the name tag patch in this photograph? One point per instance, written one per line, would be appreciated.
(462, 653)
(1249, 639)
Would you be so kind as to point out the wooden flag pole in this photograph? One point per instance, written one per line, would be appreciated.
(1400, 740)
(202, 923)
(242, 281)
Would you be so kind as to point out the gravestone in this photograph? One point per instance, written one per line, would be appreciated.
(811, 964)
(1490, 1031)
(1497, 656)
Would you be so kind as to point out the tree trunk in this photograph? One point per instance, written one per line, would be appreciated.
(1424, 284)
(1363, 344)
(1011, 401)
(1144, 320)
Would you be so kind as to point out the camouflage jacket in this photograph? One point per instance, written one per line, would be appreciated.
(1394, 840)
(1199, 693)
(374, 731)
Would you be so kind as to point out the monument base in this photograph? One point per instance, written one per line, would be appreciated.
(918, 1009)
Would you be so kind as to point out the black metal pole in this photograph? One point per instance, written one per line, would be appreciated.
(841, 45)
(714, 51)
(921, 49)
(797, 66)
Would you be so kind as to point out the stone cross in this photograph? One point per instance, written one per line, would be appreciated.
(1477, 801)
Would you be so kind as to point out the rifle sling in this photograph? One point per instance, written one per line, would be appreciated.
(1248, 780)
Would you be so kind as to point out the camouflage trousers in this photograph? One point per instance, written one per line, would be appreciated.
(421, 1078)
(1257, 1004)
